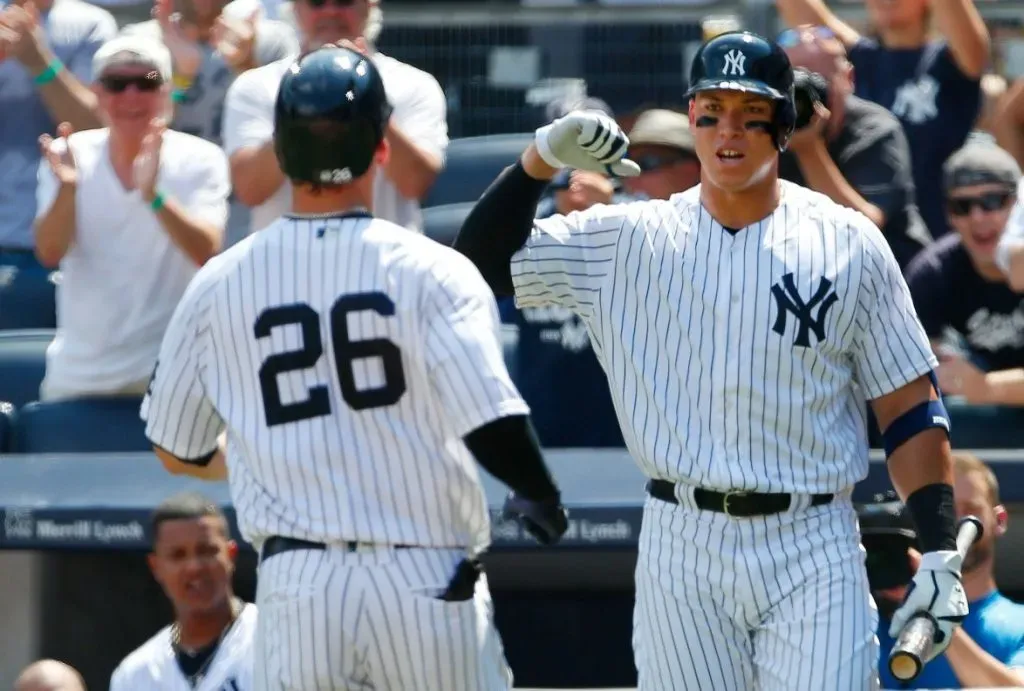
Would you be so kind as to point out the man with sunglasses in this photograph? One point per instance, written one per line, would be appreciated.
(852, 150)
(662, 145)
(923, 60)
(417, 133)
(129, 212)
(958, 287)
(212, 42)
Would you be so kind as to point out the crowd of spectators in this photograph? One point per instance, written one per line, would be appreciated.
(131, 154)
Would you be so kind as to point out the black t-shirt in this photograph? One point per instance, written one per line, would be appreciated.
(872, 153)
(950, 294)
(936, 103)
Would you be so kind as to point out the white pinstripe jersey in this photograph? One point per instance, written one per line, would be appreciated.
(347, 357)
(735, 360)
(154, 667)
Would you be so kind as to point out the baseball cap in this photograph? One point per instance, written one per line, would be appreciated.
(980, 162)
(133, 50)
(659, 127)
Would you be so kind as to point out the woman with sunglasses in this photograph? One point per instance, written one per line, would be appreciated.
(931, 83)
(958, 287)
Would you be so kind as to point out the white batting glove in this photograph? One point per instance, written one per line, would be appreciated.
(586, 140)
(937, 591)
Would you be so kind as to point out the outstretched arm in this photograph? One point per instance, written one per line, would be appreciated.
(501, 222)
(555, 259)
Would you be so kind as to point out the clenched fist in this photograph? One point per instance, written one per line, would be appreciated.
(586, 140)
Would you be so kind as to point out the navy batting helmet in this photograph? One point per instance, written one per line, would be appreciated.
(744, 61)
(330, 116)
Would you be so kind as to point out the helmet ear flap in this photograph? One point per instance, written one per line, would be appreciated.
(785, 120)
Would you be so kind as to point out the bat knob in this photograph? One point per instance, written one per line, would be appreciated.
(978, 526)
(912, 647)
(905, 666)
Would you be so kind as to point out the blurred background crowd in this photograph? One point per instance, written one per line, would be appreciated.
(135, 144)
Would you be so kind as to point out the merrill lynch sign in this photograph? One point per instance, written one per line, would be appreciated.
(580, 531)
(23, 525)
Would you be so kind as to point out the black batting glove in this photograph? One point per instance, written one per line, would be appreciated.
(546, 520)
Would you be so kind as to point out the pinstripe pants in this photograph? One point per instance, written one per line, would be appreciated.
(776, 603)
(333, 621)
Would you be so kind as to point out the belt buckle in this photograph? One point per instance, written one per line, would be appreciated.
(729, 495)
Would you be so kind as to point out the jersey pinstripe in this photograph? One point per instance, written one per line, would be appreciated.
(371, 620)
(735, 360)
(347, 358)
(779, 603)
(153, 666)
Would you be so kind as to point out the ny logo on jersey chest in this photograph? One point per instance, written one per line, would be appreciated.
(788, 301)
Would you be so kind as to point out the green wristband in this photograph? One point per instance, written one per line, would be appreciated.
(50, 73)
(178, 95)
(157, 203)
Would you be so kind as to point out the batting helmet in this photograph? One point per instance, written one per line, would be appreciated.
(330, 116)
(744, 61)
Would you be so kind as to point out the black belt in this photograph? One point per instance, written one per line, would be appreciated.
(276, 544)
(739, 504)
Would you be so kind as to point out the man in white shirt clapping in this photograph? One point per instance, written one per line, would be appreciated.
(129, 213)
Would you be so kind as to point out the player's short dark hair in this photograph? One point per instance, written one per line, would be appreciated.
(185, 506)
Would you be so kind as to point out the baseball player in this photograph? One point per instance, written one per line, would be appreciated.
(741, 324)
(358, 370)
(208, 647)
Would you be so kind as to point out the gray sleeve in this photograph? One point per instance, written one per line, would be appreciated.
(880, 172)
(274, 41)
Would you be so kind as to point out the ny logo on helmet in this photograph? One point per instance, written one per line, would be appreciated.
(734, 60)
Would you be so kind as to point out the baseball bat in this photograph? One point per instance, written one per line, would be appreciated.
(917, 637)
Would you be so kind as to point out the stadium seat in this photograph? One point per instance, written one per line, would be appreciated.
(93, 425)
(985, 427)
(442, 223)
(509, 348)
(27, 297)
(471, 164)
(6, 414)
(22, 364)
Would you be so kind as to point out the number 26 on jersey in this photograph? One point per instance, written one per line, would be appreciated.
(346, 353)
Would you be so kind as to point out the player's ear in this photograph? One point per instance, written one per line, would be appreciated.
(383, 153)
(692, 112)
(232, 550)
(1002, 519)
